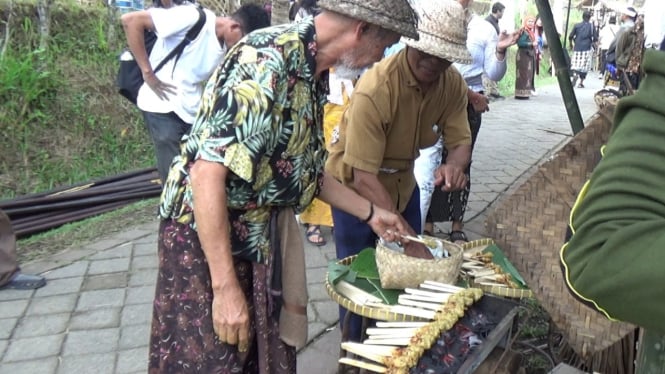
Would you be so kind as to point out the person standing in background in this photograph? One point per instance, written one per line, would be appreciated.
(525, 61)
(491, 87)
(605, 38)
(11, 276)
(582, 37)
(654, 23)
(305, 8)
(629, 53)
(170, 97)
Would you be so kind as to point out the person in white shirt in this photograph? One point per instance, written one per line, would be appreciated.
(170, 97)
(654, 23)
(605, 38)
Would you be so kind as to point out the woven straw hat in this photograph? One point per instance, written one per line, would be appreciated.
(395, 15)
(442, 31)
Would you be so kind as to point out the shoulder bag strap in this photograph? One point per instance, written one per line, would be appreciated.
(191, 35)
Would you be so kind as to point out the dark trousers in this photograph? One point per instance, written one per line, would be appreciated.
(353, 235)
(451, 206)
(166, 130)
(8, 262)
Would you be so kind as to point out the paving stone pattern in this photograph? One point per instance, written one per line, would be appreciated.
(94, 314)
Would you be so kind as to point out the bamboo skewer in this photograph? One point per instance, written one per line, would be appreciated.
(427, 314)
(435, 296)
(356, 295)
(388, 341)
(398, 345)
(363, 365)
(382, 331)
(419, 304)
(400, 324)
(443, 286)
(380, 350)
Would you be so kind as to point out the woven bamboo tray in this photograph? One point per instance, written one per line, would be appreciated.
(362, 310)
(513, 293)
(530, 224)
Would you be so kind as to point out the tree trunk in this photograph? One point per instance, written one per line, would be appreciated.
(44, 13)
(113, 19)
(280, 12)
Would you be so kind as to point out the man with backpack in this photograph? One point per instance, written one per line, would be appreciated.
(170, 96)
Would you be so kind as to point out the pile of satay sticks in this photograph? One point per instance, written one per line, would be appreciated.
(483, 271)
(395, 347)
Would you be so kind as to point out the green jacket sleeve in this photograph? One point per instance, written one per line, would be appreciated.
(615, 259)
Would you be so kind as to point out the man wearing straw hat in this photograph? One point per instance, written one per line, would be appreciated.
(231, 293)
(402, 104)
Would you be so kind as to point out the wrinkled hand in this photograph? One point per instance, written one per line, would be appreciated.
(230, 317)
(507, 39)
(386, 224)
(161, 89)
(450, 177)
(419, 250)
(479, 102)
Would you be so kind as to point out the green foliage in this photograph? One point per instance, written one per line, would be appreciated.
(62, 120)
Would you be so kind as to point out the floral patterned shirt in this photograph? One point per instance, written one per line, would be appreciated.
(261, 116)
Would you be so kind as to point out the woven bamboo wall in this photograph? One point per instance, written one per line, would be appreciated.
(530, 226)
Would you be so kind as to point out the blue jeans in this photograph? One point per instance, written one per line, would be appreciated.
(166, 130)
(352, 235)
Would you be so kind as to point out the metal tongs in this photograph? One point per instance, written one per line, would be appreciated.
(435, 246)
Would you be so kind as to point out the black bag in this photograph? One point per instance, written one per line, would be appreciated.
(130, 77)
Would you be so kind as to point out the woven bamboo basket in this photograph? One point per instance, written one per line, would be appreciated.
(399, 271)
(530, 224)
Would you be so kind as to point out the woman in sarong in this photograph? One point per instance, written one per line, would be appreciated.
(526, 59)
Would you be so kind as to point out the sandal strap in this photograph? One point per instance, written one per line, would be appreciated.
(456, 235)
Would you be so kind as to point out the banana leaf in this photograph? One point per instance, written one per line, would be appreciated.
(364, 274)
(365, 264)
(499, 258)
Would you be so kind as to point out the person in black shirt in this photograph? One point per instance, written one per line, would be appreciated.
(497, 13)
(582, 38)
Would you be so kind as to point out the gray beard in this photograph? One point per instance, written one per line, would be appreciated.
(343, 71)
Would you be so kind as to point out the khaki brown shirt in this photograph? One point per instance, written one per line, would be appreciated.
(389, 119)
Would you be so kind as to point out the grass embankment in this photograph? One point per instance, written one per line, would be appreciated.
(62, 120)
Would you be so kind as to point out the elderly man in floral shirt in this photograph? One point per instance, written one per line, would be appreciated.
(231, 293)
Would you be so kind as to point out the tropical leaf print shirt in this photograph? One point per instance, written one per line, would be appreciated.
(261, 116)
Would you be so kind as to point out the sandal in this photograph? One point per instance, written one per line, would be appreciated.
(22, 281)
(457, 236)
(314, 236)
